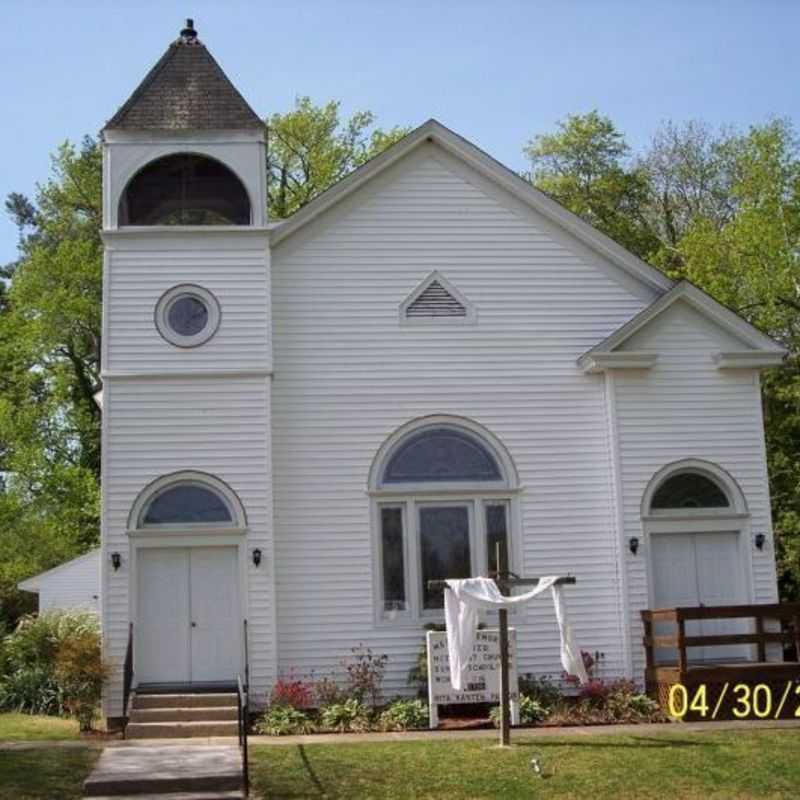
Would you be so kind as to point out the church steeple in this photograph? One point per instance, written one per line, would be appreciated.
(185, 90)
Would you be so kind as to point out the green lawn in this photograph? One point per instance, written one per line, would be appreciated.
(669, 766)
(52, 774)
(673, 766)
(27, 728)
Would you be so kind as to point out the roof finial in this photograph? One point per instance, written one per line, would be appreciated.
(189, 34)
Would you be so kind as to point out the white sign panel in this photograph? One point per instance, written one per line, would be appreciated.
(482, 683)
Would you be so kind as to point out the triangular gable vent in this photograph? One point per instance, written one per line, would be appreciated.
(436, 299)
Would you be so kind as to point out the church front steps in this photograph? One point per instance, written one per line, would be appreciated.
(187, 714)
(184, 700)
(180, 730)
(179, 716)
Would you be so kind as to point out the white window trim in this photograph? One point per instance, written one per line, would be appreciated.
(409, 496)
(476, 502)
(161, 314)
(238, 522)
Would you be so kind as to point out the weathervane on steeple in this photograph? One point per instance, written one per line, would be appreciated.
(189, 34)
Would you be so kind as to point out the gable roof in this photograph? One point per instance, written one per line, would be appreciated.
(33, 584)
(763, 351)
(457, 146)
(185, 90)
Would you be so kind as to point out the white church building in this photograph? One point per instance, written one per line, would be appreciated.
(305, 420)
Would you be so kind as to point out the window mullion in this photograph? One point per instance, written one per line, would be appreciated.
(413, 572)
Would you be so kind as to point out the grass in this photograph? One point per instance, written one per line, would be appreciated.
(28, 728)
(689, 766)
(51, 774)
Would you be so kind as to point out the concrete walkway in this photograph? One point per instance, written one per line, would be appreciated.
(414, 736)
(156, 769)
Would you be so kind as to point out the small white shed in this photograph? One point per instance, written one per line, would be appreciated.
(73, 584)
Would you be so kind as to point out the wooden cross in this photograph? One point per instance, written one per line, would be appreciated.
(506, 581)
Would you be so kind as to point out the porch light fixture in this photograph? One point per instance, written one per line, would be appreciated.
(256, 556)
(761, 540)
(633, 544)
(116, 561)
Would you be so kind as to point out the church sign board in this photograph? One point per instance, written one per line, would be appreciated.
(483, 673)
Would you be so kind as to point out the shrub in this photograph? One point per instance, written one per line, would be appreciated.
(54, 664)
(284, 720)
(403, 715)
(351, 715)
(603, 703)
(31, 690)
(625, 703)
(36, 639)
(292, 693)
(541, 689)
(365, 674)
(81, 672)
(327, 692)
(418, 674)
(595, 692)
(530, 712)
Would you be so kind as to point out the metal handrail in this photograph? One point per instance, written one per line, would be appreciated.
(243, 721)
(127, 673)
(243, 712)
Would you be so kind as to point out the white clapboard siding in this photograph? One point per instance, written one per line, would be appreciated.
(140, 269)
(348, 374)
(214, 425)
(684, 407)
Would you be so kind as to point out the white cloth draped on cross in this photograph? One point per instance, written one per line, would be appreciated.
(463, 600)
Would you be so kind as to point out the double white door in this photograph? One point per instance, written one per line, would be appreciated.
(189, 619)
(699, 569)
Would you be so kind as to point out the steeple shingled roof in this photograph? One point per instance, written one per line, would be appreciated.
(185, 90)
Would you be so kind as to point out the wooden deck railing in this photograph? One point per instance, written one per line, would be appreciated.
(785, 612)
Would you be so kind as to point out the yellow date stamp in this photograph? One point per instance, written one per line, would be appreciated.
(744, 701)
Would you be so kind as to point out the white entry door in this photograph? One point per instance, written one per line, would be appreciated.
(699, 569)
(188, 622)
(216, 617)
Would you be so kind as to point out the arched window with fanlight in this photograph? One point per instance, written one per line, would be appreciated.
(187, 501)
(686, 490)
(444, 492)
(185, 189)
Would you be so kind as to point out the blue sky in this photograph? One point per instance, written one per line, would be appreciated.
(496, 72)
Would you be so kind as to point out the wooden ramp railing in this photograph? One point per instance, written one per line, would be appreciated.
(715, 676)
(680, 641)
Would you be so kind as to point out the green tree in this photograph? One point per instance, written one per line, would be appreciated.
(690, 170)
(751, 262)
(585, 166)
(311, 148)
(49, 352)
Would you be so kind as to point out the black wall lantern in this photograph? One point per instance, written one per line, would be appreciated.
(761, 540)
(256, 556)
(116, 561)
(633, 544)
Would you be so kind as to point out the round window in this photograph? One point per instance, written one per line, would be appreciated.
(187, 315)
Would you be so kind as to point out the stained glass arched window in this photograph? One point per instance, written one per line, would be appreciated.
(187, 504)
(441, 454)
(689, 490)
